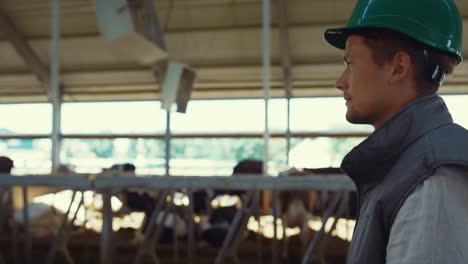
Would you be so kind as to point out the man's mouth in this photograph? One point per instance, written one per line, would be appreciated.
(347, 99)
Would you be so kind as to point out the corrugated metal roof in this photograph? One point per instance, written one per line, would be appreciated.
(220, 39)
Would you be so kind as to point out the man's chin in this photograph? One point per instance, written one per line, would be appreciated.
(354, 119)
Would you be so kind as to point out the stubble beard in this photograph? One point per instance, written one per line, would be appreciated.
(354, 117)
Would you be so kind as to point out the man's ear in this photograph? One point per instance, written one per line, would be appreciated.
(400, 67)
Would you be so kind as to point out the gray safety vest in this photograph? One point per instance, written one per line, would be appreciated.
(392, 162)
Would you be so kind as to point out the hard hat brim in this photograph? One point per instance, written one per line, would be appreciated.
(336, 37)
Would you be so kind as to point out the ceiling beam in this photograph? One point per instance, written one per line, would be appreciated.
(209, 78)
(213, 83)
(285, 55)
(24, 50)
(284, 46)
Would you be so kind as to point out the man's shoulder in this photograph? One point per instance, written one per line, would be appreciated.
(431, 223)
(447, 145)
(450, 176)
(447, 180)
(453, 129)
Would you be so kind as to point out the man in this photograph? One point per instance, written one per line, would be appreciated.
(6, 164)
(412, 171)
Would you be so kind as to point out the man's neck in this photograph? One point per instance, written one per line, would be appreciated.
(400, 100)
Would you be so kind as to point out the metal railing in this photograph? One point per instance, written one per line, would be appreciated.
(107, 184)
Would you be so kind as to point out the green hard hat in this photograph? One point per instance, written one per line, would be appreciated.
(436, 23)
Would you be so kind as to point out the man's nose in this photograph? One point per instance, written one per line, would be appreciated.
(341, 83)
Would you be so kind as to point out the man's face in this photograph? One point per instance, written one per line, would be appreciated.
(363, 83)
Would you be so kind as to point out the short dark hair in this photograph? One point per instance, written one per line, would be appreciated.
(248, 166)
(6, 164)
(386, 43)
